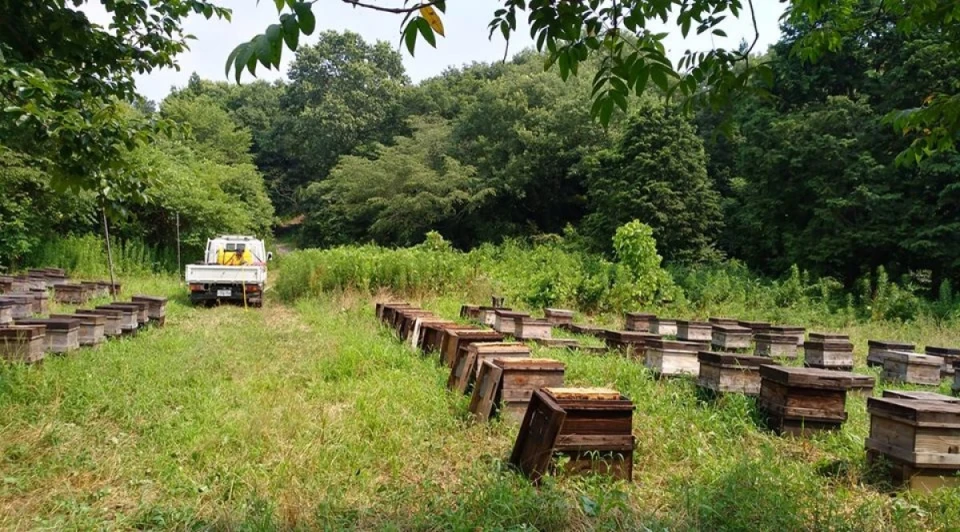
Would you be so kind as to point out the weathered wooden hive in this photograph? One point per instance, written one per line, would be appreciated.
(470, 358)
(803, 401)
(71, 293)
(128, 317)
(775, 345)
(948, 354)
(505, 321)
(505, 385)
(488, 315)
(731, 337)
(385, 310)
(663, 326)
(454, 340)
(730, 372)
(470, 312)
(143, 318)
(91, 332)
(112, 320)
(671, 358)
(34, 282)
(95, 289)
(6, 284)
(878, 349)
(62, 335)
(912, 368)
(828, 351)
(919, 438)
(693, 331)
(789, 330)
(21, 306)
(41, 300)
(592, 427)
(423, 326)
(638, 321)
(431, 334)
(156, 308)
(6, 311)
(919, 395)
(23, 343)
(558, 316)
(114, 291)
(757, 327)
(719, 320)
(527, 328)
(406, 320)
(631, 343)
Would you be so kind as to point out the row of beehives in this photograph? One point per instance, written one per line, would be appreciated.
(26, 337)
(41, 281)
(590, 427)
(799, 401)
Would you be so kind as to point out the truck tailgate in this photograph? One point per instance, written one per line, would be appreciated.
(202, 273)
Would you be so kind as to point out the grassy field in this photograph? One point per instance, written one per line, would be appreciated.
(312, 416)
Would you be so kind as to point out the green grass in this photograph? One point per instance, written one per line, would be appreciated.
(313, 416)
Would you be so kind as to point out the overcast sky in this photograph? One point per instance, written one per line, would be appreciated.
(466, 37)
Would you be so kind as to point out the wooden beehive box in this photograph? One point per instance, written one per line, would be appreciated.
(731, 337)
(470, 358)
(803, 401)
(919, 395)
(70, 293)
(424, 324)
(694, 331)
(470, 312)
(488, 315)
(878, 349)
(591, 427)
(505, 385)
(532, 329)
(23, 343)
(775, 345)
(406, 319)
(921, 439)
(113, 320)
(638, 321)
(21, 306)
(757, 327)
(558, 316)
(789, 330)
(717, 320)
(505, 321)
(949, 356)
(139, 309)
(95, 289)
(631, 343)
(431, 333)
(62, 335)
(41, 300)
(112, 289)
(730, 372)
(663, 326)
(386, 312)
(828, 353)
(455, 339)
(128, 317)
(671, 358)
(6, 284)
(156, 307)
(91, 332)
(912, 368)
(6, 311)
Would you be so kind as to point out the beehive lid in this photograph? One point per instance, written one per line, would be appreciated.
(149, 298)
(829, 345)
(22, 332)
(583, 394)
(754, 324)
(7, 303)
(891, 345)
(125, 307)
(694, 324)
(824, 379)
(919, 396)
(631, 335)
(776, 338)
(732, 329)
(640, 315)
(942, 351)
(487, 307)
(733, 359)
(103, 311)
(503, 348)
(506, 313)
(559, 312)
(786, 329)
(527, 320)
(914, 358)
(823, 337)
(934, 414)
(529, 364)
(475, 334)
(68, 287)
(719, 320)
(85, 319)
(664, 321)
(677, 345)
(53, 324)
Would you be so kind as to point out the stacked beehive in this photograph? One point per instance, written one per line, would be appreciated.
(775, 345)
(828, 351)
(878, 349)
(672, 358)
(948, 354)
(912, 368)
(802, 401)
(730, 373)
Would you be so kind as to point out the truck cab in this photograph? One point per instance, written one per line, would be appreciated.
(234, 269)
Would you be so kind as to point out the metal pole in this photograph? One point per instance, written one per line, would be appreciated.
(106, 236)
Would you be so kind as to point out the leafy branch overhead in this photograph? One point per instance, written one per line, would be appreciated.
(632, 56)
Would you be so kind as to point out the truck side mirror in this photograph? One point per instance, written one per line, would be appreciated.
(269, 255)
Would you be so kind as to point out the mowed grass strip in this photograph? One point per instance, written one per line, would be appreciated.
(316, 417)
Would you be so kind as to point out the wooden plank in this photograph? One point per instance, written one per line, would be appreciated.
(485, 393)
(533, 449)
(587, 394)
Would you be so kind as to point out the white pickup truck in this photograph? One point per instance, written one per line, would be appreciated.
(234, 269)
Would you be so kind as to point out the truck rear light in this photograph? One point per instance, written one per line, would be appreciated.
(252, 288)
(196, 287)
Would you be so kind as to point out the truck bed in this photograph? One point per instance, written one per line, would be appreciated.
(216, 274)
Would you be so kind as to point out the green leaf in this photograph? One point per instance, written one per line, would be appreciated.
(659, 78)
(264, 52)
(291, 31)
(410, 36)
(244, 55)
(279, 4)
(424, 26)
(305, 15)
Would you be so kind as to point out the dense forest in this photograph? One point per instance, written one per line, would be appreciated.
(804, 173)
